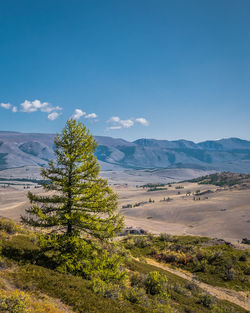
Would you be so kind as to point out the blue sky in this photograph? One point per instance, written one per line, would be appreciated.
(150, 68)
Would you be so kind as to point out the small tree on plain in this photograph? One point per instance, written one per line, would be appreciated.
(79, 212)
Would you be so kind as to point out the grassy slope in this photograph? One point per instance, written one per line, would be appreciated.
(215, 264)
(186, 296)
(18, 267)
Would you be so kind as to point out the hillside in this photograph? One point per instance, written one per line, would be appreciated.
(29, 283)
(233, 154)
(225, 179)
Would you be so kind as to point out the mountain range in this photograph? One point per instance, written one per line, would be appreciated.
(231, 154)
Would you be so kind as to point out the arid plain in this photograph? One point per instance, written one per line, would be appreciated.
(216, 212)
(177, 208)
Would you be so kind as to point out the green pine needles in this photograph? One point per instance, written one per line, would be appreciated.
(79, 211)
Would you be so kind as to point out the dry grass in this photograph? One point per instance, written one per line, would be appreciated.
(222, 213)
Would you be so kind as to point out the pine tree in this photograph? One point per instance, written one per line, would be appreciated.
(79, 211)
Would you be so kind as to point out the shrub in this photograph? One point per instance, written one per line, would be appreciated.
(164, 237)
(129, 243)
(20, 302)
(230, 274)
(13, 302)
(156, 283)
(243, 257)
(20, 248)
(190, 286)
(217, 309)
(247, 270)
(9, 226)
(202, 266)
(126, 206)
(141, 242)
(106, 289)
(188, 310)
(137, 295)
(73, 291)
(206, 300)
(137, 280)
(151, 236)
(45, 306)
(162, 308)
(180, 290)
(168, 258)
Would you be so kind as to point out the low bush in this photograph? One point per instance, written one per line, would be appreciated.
(165, 237)
(206, 300)
(13, 302)
(17, 301)
(137, 295)
(20, 248)
(213, 261)
(137, 280)
(73, 291)
(9, 226)
(106, 289)
(156, 284)
(183, 296)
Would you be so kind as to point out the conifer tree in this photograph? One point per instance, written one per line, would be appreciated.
(79, 211)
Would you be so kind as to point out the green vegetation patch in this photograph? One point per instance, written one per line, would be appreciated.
(224, 179)
(157, 189)
(20, 248)
(148, 289)
(153, 185)
(214, 262)
(184, 296)
(9, 226)
(73, 291)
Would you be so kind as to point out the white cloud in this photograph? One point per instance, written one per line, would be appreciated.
(91, 115)
(115, 119)
(6, 106)
(118, 123)
(52, 116)
(142, 121)
(114, 127)
(49, 109)
(36, 105)
(33, 106)
(126, 123)
(77, 114)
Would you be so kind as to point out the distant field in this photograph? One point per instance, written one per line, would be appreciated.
(213, 212)
(117, 176)
(180, 208)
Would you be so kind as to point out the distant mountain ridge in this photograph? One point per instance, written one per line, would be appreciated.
(232, 154)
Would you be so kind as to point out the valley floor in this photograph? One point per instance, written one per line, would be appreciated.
(176, 208)
(216, 212)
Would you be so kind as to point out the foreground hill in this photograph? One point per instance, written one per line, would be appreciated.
(30, 283)
(20, 149)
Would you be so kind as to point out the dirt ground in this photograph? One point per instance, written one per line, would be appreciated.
(218, 213)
